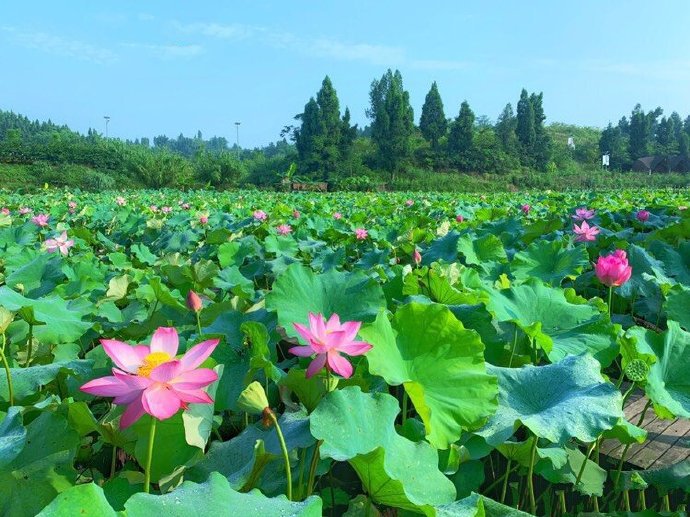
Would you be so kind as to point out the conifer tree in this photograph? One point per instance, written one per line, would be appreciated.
(525, 128)
(433, 123)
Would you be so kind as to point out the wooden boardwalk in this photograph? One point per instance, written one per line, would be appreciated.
(668, 441)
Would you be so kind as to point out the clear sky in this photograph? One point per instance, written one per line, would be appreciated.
(165, 67)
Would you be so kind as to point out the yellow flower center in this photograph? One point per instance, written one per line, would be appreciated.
(151, 361)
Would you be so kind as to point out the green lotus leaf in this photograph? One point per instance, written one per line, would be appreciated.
(299, 291)
(560, 322)
(87, 500)
(593, 477)
(495, 509)
(549, 261)
(441, 365)
(482, 251)
(667, 382)
(215, 497)
(359, 428)
(521, 452)
(42, 469)
(666, 479)
(677, 307)
(569, 399)
(443, 249)
(470, 506)
(27, 382)
(626, 433)
(12, 436)
(62, 318)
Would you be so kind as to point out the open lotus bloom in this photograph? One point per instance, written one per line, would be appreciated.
(60, 243)
(582, 214)
(613, 270)
(150, 379)
(328, 339)
(585, 232)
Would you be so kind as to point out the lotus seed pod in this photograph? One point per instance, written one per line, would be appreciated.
(636, 370)
(253, 399)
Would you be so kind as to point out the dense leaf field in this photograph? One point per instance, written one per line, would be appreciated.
(260, 353)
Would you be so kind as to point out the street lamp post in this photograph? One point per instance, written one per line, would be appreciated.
(107, 119)
(237, 142)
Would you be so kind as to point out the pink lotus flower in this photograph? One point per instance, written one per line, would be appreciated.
(72, 205)
(613, 270)
(583, 214)
(328, 339)
(60, 243)
(296, 214)
(337, 216)
(5, 211)
(203, 219)
(24, 210)
(185, 206)
(260, 215)
(585, 232)
(41, 220)
(642, 215)
(361, 234)
(525, 209)
(459, 218)
(409, 202)
(284, 229)
(682, 207)
(148, 379)
(417, 257)
(119, 200)
(153, 208)
(166, 209)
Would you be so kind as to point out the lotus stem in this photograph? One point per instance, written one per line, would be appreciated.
(584, 463)
(610, 299)
(404, 406)
(29, 342)
(312, 469)
(198, 322)
(561, 497)
(626, 500)
(666, 503)
(625, 450)
(6, 365)
(642, 501)
(149, 455)
(504, 488)
(113, 462)
(286, 456)
(512, 352)
(530, 478)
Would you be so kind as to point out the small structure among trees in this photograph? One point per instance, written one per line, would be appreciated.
(662, 163)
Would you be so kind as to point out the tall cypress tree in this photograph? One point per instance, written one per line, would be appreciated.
(433, 123)
(505, 130)
(461, 136)
(329, 128)
(306, 138)
(525, 128)
(638, 144)
(392, 121)
(542, 141)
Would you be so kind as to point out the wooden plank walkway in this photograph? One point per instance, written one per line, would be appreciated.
(668, 441)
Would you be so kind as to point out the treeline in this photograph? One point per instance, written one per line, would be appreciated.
(327, 144)
(645, 134)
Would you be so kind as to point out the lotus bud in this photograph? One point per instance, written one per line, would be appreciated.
(194, 302)
(253, 399)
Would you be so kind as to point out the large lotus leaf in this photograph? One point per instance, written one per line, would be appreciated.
(237, 459)
(676, 260)
(642, 263)
(560, 322)
(667, 383)
(677, 307)
(470, 506)
(441, 365)
(482, 251)
(12, 436)
(62, 318)
(569, 399)
(521, 452)
(359, 427)
(42, 469)
(215, 497)
(593, 476)
(299, 291)
(87, 500)
(665, 479)
(27, 382)
(442, 249)
(495, 509)
(549, 261)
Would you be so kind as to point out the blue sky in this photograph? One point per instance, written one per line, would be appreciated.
(165, 67)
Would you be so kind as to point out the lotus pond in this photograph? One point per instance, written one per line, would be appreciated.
(254, 353)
